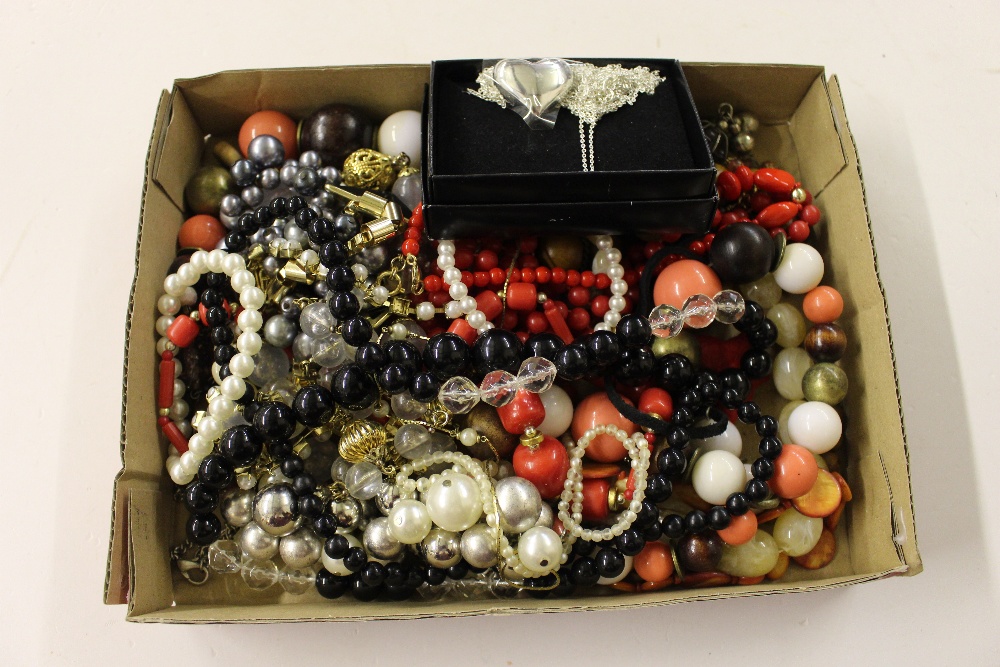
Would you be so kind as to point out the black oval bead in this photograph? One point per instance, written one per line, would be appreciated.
(731, 399)
(222, 335)
(353, 388)
(634, 331)
(718, 518)
(217, 280)
(446, 355)
(330, 585)
(690, 398)
(652, 532)
(403, 353)
(572, 362)
(677, 436)
(345, 227)
(373, 574)
(303, 484)
(216, 316)
(424, 386)
(741, 253)
(734, 379)
(333, 253)
(241, 444)
(671, 463)
(210, 297)
(203, 529)
(584, 572)
(310, 506)
(275, 421)
(672, 526)
(320, 230)
(609, 562)
(362, 592)
(738, 504)
(710, 392)
(683, 417)
(222, 354)
(603, 347)
(370, 357)
(630, 542)
(340, 278)
(344, 305)
(676, 372)
(395, 378)
(647, 515)
(295, 204)
(303, 216)
(756, 363)
(215, 471)
(356, 331)
(395, 574)
(279, 207)
(314, 405)
(458, 571)
(435, 576)
(658, 488)
(767, 426)
(756, 490)
(325, 525)
(770, 448)
(545, 345)
(201, 498)
(695, 521)
(247, 224)
(235, 242)
(497, 350)
(336, 547)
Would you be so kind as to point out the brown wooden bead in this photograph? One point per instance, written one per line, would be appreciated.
(700, 552)
(484, 418)
(825, 342)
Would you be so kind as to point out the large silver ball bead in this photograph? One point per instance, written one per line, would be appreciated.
(479, 546)
(279, 331)
(301, 549)
(387, 496)
(346, 513)
(256, 543)
(265, 150)
(237, 508)
(546, 518)
(442, 548)
(378, 540)
(519, 503)
(274, 510)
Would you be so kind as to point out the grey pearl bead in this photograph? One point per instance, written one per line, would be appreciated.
(237, 508)
(274, 510)
(546, 518)
(288, 172)
(321, 289)
(346, 513)
(442, 548)
(323, 200)
(386, 498)
(378, 540)
(255, 542)
(310, 159)
(345, 226)
(302, 347)
(265, 150)
(409, 190)
(295, 233)
(231, 205)
(330, 174)
(290, 309)
(270, 234)
(252, 195)
(306, 181)
(301, 549)
(519, 503)
(269, 178)
(243, 172)
(479, 546)
(279, 331)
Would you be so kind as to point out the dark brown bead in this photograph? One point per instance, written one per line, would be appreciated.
(826, 342)
(484, 418)
(335, 131)
(700, 552)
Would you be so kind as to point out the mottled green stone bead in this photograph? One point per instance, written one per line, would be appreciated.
(825, 382)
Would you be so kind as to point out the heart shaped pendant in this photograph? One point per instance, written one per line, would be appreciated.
(534, 85)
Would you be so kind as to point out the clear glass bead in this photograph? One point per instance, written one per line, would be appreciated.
(329, 351)
(729, 306)
(317, 320)
(260, 574)
(270, 364)
(405, 406)
(413, 441)
(666, 321)
(297, 582)
(224, 556)
(537, 374)
(363, 480)
(699, 311)
(459, 395)
(498, 388)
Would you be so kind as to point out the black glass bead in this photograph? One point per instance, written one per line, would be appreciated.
(340, 279)
(215, 471)
(658, 488)
(217, 280)
(275, 421)
(403, 353)
(295, 204)
(767, 426)
(353, 388)
(303, 484)
(314, 405)
(210, 297)
(603, 347)
(414, 577)
(695, 521)
(769, 448)
(373, 574)
(672, 526)
(336, 547)
(710, 392)
(545, 345)
(280, 450)
(395, 574)
(748, 413)
(572, 362)
(753, 315)
(741, 253)
(652, 532)
(690, 398)
(446, 355)
(764, 336)
(264, 216)
(216, 316)
(683, 417)
(435, 576)
(583, 548)
(630, 542)
(224, 372)
(734, 379)
(677, 436)
(330, 585)
(235, 242)
(221, 335)
(671, 463)
(647, 515)
(250, 409)
(584, 572)
(333, 253)
(424, 386)
(756, 363)
(756, 490)
(738, 504)
(303, 216)
(325, 525)
(718, 518)
(201, 498)
(203, 529)
(361, 591)
(370, 357)
(676, 372)
(345, 227)
(458, 571)
(241, 444)
(344, 305)
(731, 398)
(397, 593)
(395, 378)
(609, 562)
(279, 207)
(222, 354)
(762, 469)
(248, 397)
(356, 331)
(635, 365)
(310, 506)
(497, 350)
(634, 331)
(247, 224)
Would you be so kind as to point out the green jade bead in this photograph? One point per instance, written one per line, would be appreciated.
(754, 558)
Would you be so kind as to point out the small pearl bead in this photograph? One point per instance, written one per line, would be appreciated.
(163, 322)
(360, 272)
(451, 276)
(468, 437)
(425, 311)
(399, 331)
(233, 388)
(233, 263)
(216, 260)
(249, 320)
(446, 247)
(445, 261)
(249, 342)
(458, 290)
(252, 297)
(241, 280)
(199, 260)
(380, 295)
(168, 305)
(173, 286)
(241, 364)
(453, 310)
(187, 274)
(477, 318)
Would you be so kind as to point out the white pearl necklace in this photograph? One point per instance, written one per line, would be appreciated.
(608, 261)
(572, 495)
(222, 407)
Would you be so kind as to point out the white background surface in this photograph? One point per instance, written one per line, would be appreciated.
(79, 82)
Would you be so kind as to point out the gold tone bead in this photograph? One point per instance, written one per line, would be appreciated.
(369, 169)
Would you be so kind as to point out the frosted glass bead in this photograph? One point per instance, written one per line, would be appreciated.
(790, 323)
(330, 351)
(699, 311)
(453, 502)
(405, 406)
(729, 440)
(717, 474)
(539, 549)
(815, 426)
(317, 320)
(271, 363)
(796, 534)
(666, 321)
(754, 558)
(498, 388)
(790, 365)
(783, 419)
(459, 395)
(765, 291)
(729, 306)
(800, 270)
(537, 374)
(409, 521)
(363, 480)
(412, 441)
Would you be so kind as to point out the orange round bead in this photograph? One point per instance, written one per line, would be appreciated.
(201, 231)
(682, 279)
(823, 305)
(275, 123)
(654, 563)
(740, 530)
(595, 410)
(795, 472)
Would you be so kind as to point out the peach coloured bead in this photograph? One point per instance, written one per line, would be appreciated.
(201, 231)
(823, 305)
(740, 530)
(596, 410)
(682, 279)
(795, 472)
(275, 123)
(654, 563)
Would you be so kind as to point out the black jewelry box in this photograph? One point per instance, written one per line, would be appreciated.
(484, 168)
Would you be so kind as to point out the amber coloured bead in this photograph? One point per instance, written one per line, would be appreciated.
(825, 342)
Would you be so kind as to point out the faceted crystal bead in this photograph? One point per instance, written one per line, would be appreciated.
(316, 320)
(459, 395)
(363, 480)
(537, 374)
(297, 582)
(330, 351)
(729, 306)
(260, 574)
(666, 321)
(498, 388)
(224, 556)
(699, 311)
(412, 441)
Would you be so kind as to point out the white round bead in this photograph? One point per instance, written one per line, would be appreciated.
(477, 319)
(800, 270)
(468, 436)
(249, 320)
(380, 295)
(163, 323)
(539, 549)
(168, 305)
(446, 247)
(717, 474)
(409, 521)
(187, 273)
(454, 502)
(425, 311)
(241, 364)
(249, 342)
(200, 445)
(233, 388)
(173, 285)
(468, 304)
(217, 260)
(400, 133)
(558, 411)
(451, 275)
(729, 440)
(458, 290)
(242, 280)
(199, 260)
(453, 310)
(233, 263)
(815, 426)
(222, 408)
(252, 297)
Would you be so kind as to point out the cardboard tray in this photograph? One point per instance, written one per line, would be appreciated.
(803, 128)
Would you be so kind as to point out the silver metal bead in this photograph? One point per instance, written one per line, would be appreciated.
(270, 179)
(386, 498)
(744, 142)
(442, 548)
(330, 174)
(378, 540)
(265, 150)
(301, 549)
(479, 546)
(288, 172)
(274, 510)
(279, 331)
(237, 508)
(346, 513)
(252, 196)
(546, 518)
(231, 205)
(255, 542)
(750, 122)
(310, 159)
(519, 503)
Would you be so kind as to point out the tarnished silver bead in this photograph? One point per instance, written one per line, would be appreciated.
(378, 540)
(546, 518)
(274, 510)
(288, 172)
(330, 174)
(479, 546)
(301, 549)
(346, 513)
(442, 548)
(257, 543)
(387, 496)
(519, 503)
(279, 331)
(744, 142)
(265, 150)
(310, 159)
(237, 508)
(750, 122)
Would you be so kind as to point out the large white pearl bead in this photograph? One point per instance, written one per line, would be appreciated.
(400, 133)
(409, 521)
(558, 411)
(800, 270)
(717, 474)
(454, 502)
(336, 565)
(816, 426)
(539, 549)
(729, 440)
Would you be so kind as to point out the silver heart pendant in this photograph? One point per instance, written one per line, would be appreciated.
(536, 85)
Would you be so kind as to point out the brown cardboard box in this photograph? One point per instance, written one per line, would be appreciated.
(803, 128)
